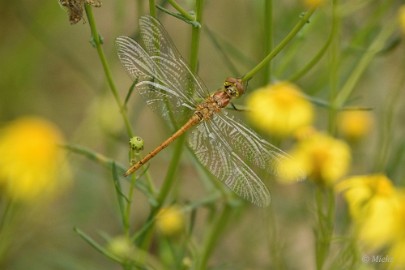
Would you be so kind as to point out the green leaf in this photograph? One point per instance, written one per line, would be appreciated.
(108, 163)
(179, 16)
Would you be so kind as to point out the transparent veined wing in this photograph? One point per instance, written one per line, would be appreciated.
(164, 79)
(160, 47)
(153, 83)
(216, 152)
(235, 155)
(256, 151)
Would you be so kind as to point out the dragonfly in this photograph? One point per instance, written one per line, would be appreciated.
(231, 151)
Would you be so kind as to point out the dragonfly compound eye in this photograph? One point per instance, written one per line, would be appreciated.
(234, 87)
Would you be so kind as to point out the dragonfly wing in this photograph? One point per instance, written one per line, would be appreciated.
(216, 153)
(256, 151)
(155, 81)
(160, 47)
(236, 155)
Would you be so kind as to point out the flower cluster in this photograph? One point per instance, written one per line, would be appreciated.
(375, 205)
(281, 109)
(378, 212)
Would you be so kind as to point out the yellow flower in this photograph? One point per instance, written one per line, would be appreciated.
(313, 3)
(355, 125)
(121, 247)
(361, 189)
(32, 165)
(279, 109)
(321, 157)
(170, 221)
(378, 212)
(401, 18)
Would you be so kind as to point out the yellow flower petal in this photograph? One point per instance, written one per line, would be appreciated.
(378, 210)
(360, 189)
(355, 125)
(31, 163)
(279, 109)
(321, 157)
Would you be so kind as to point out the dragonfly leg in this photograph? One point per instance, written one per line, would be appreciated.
(238, 109)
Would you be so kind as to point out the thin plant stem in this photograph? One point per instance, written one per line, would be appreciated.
(249, 75)
(221, 49)
(334, 70)
(274, 243)
(152, 8)
(171, 172)
(364, 62)
(268, 37)
(340, 99)
(6, 226)
(98, 43)
(170, 176)
(181, 10)
(129, 204)
(325, 210)
(213, 236)
(195, 37)
(392, 103)
(321, 52)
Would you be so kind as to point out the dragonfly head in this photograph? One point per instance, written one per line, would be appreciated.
(234, 87)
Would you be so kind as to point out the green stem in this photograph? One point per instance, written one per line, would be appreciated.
(170, 176)
(322, 51)
(213, 236)
(334, 71)
(6, 227)
(325, 209)
(279, 47)
(128, 206)
(195, 37)
(98, 42)
(181, 10)
(268, 37)
(171, 172)
(387, 131)
(274, 240)
(152, 8)
(364, 62)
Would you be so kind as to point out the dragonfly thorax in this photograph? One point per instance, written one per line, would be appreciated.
(233, 88)
(212, 105)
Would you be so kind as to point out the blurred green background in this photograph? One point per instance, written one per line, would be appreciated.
(49, 68)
